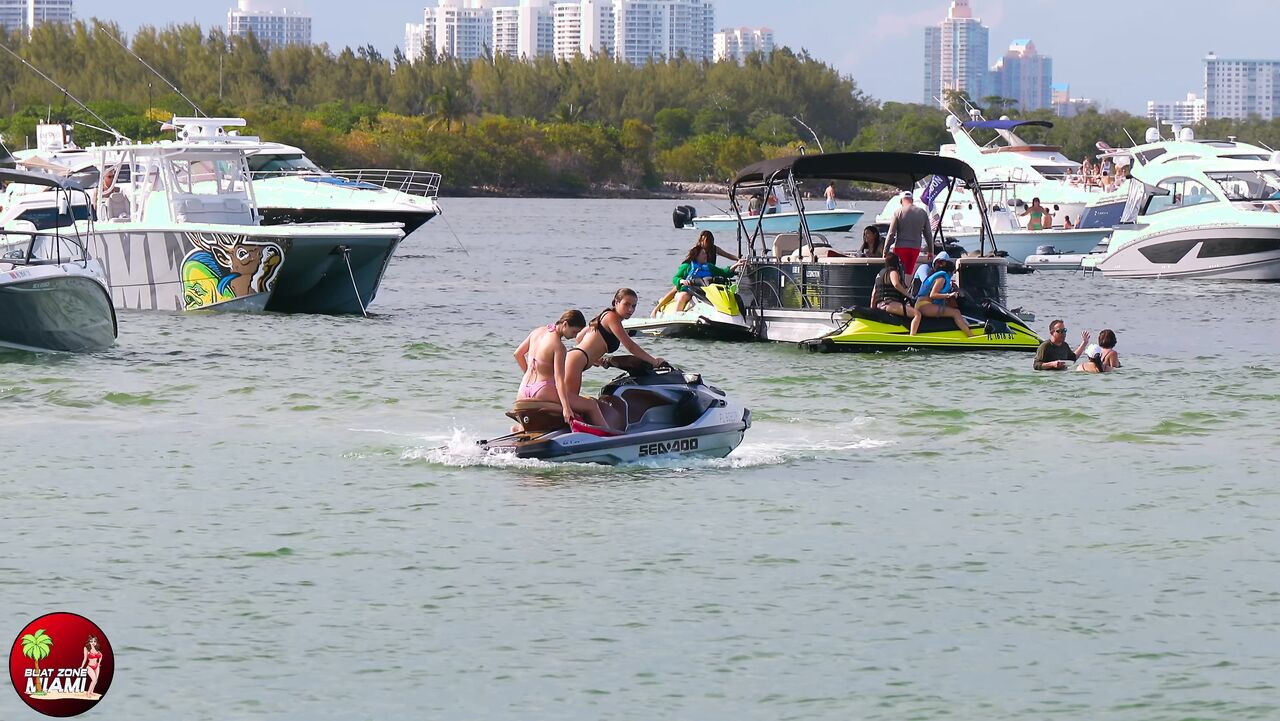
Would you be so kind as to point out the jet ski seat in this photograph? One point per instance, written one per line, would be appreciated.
(537, 416)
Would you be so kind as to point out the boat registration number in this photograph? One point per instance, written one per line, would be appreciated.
(682, 445)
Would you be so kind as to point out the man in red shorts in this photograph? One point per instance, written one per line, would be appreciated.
(909, 233)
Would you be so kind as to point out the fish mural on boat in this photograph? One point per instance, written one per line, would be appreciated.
(223, 267)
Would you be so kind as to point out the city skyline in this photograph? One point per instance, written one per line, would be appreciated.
(1120, 55)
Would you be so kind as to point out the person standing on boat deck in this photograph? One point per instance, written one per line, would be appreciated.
(1054, 354)
(909, 233)
(1037, 214)
(831, 195)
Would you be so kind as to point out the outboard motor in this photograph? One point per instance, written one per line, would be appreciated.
(683, 215)
(1046, 250)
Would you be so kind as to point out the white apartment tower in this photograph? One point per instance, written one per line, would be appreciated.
(272, 23)
(1183, 112)
(647, 30)
(1241, 88)
(26, 14)
(635, 31)
(955, 55)
(736, 44)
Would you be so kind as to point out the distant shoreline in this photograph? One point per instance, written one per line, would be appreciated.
(669, 191)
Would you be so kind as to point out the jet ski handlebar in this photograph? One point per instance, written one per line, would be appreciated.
(632, 365)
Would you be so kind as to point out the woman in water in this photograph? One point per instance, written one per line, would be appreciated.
(91, 661)
(932, 302)
(1101, 358)
(541, 357)
(890, 293)
(604, 334)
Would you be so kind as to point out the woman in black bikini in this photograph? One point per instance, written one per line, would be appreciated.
(604, 334)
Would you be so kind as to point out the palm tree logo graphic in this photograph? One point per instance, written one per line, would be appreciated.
(35, 646)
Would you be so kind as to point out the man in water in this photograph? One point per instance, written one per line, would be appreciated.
(1054, 354)
(909, 233)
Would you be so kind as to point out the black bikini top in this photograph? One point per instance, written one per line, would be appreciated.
(611, 342)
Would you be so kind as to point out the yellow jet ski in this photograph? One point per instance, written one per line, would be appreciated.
(869, 329)
(715, 312)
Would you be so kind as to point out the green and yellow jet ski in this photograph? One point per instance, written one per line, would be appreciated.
(869, 329)
(716, 312)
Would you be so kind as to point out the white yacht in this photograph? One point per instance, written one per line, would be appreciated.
(289, 187)
(52, 293)
(1202, 217)
(178, 228)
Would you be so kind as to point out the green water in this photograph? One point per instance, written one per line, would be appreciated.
(284, 517)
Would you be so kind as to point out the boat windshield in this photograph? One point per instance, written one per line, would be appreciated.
(1248, 185)
(282, 164)
(1054, 172)
(19, 248)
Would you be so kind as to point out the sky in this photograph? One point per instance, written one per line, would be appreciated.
(1121, 54)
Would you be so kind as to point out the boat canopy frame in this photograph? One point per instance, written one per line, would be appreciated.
(64, 188)
(903, 171)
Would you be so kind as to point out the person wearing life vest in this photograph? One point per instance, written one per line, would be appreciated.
(932, 302)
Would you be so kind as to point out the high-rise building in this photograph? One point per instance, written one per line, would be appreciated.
(1065, 106)
(271, 23)
(23, 15)
(1024, 75)
(1241, 88)
(649, 29)
(1184, 112)
(956, 55)
(737, 43)
(646, 30)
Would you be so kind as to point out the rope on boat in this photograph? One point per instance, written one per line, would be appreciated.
(346, 256)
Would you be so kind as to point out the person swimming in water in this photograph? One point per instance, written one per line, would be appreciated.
(604, 334)
(541, 357)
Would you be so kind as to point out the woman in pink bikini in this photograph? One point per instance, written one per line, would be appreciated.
(92, 660)
(541, 357)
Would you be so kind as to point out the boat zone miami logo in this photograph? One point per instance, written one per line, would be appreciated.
(61, 664)
(683, 445)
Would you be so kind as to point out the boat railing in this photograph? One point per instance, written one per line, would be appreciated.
(422, 183)
(40, 247)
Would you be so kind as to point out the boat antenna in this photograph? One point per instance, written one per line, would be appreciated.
(815, 135)
(1130, 137)
(105, 31)
(107, 126)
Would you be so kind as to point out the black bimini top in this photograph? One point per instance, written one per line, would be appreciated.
(901, 170)
(27, 177)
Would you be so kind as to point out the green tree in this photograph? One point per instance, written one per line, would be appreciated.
(35, 646)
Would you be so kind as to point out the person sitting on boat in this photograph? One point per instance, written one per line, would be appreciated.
(1054, 354)
(935, 299)
(1037, 215)
(890, 294)
(909, 232)
(541, 357)
(604, 334)
(706, 241)
(872, 243)
(1066, 223)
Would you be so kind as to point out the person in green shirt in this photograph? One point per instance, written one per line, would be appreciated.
(695, 270)
(1054, 354)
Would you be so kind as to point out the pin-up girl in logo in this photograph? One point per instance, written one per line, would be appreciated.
(92, 660)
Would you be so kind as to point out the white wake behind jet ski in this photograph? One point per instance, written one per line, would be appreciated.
(653, 413)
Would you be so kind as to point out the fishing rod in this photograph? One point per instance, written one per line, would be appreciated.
(118, 135)
(102, 28)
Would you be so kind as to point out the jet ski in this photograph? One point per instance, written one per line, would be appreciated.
(715, 312)
(870, 329)
(653, 414)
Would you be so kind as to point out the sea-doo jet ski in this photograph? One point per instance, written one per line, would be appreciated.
(715, 312)
(871, 329)
(653, 414)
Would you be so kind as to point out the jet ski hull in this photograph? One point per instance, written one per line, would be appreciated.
(871, 331)
(663, 415)
(714, 313)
